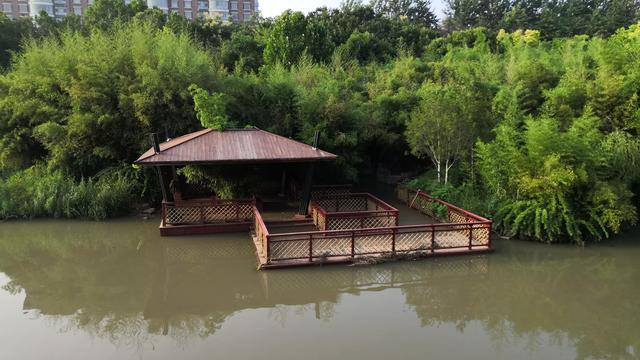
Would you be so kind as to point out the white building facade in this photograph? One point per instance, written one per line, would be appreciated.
(226, 10)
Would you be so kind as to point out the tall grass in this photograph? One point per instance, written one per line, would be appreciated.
(37, 192)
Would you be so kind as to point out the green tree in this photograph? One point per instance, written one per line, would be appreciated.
(210, 109)
(103, 14)
(286, 39)
(418, 11)
(441, 128)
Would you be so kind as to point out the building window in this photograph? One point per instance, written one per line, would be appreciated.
(23, 8)
(187, 4)
(77, 10)
(188, 15)
(246, 5)
(6, 8)
(202, 5)
(234, 5)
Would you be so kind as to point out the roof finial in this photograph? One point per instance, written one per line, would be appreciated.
(156, 143)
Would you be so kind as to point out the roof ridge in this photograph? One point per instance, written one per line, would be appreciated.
(299, 142)
(284, 137)
(177, 143)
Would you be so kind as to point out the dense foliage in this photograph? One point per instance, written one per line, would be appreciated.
(540, 134)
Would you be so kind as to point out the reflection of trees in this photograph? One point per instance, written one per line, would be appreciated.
(583, 298)
(97, 278)
(78, 275)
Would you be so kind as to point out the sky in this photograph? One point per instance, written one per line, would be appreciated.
(271, 8)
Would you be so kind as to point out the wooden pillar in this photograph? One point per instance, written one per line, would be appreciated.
(306, 191)
(176, 183)
(162, 185)
(283, 183)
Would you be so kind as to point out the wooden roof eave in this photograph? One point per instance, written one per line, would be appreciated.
(235, 162)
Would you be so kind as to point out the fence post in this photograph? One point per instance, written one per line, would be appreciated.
(353, 244)
(268, 244)
(470, 236)
(393, 240)
(433, 239)
(310, 247)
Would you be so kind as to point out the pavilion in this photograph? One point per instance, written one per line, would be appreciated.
(233, 147)
(343, 226)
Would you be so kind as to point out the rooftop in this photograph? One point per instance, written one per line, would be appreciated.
(250, 145)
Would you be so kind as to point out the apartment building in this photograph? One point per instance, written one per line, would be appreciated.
(15, 8)
(226, 10)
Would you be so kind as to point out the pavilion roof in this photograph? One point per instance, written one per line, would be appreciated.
(250, 145)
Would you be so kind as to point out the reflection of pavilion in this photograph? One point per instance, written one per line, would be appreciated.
(205, 278)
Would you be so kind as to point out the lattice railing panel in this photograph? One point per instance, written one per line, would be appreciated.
(183, 215)
(343, 223)
(379, 243)
(413, 241)
(360, 222)
(458, 217)
(452, 237)
(291, 249)
(481, 236)
(332, 246)
(343, 204)
(423, 204)
(176, 215)
(315, 193)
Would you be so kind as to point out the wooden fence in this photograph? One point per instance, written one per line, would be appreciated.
(352, 211)
(434, 207)
(330, 190)
(207, 211)
(464, 233)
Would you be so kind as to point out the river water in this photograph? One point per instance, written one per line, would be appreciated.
(116, 290)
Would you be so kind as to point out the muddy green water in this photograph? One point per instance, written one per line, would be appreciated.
(116, 290)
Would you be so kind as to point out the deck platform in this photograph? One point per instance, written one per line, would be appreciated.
(343, 228)
(459, 233)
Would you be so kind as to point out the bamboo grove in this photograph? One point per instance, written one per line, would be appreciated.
(531, 124)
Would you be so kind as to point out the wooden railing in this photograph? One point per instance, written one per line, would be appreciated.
(262, 235)
(207, 211)
(428, 205)
(317, 246)
(427, 238)
(330, 190)
(352, 211)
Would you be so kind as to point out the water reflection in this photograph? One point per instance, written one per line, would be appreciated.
(120, 281)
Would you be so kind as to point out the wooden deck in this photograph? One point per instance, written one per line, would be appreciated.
(460, 233)
(434, 228)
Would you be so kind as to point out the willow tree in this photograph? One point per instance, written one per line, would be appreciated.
(441, 127)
